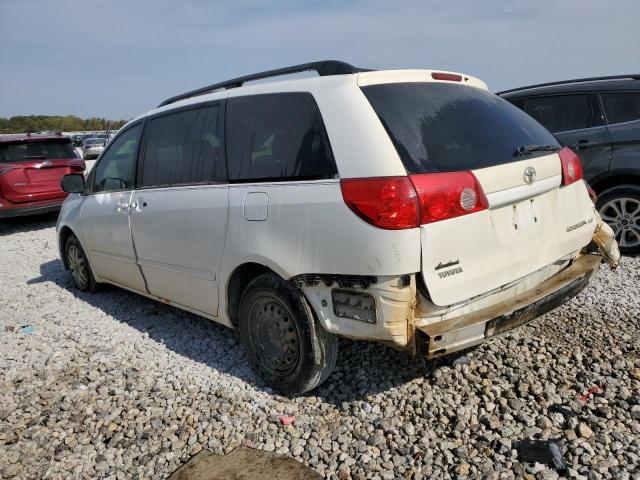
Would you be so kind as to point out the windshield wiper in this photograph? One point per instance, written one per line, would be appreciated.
(34, 157)
(526, 149)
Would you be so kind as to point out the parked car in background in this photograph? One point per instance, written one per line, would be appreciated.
(599, 118)
(31, 167)
(93, 147)
(410, 207)
(77, 139)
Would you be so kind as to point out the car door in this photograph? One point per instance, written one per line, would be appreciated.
(578, 122)
(105, 212)
(179, 211)
(623, 118)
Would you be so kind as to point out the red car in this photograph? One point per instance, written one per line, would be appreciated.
(31, 167)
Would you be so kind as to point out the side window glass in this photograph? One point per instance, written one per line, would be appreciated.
(116, 169)
(561, 113)
(621, 107)
(184, 147)
(277, 137)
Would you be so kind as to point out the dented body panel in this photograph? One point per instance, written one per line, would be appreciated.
(403, 310)
(463, 331)
(523, 231)
(394, 310)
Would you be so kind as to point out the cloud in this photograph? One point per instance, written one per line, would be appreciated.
(120, 58)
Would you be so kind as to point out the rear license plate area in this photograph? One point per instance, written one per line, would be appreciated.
(525, 216)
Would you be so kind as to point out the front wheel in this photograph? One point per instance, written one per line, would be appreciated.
(620, 208)
(283, 341)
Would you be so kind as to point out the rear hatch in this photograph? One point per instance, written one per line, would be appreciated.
(496, 199)
(31, 168)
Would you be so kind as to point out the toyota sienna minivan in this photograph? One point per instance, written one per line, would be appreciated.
(409, 207)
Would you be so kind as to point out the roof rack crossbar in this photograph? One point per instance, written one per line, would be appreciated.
(323, 68)
(633, 76)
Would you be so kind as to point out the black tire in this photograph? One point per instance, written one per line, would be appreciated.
(78, 265)
(283, 341)
(625, 224)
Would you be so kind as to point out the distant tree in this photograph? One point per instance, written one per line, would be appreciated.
(68, 123)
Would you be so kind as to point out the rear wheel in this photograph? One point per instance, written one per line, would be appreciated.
(79, 266)
(285, 344)
(620, 208)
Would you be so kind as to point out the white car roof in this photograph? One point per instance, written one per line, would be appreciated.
(319, 85)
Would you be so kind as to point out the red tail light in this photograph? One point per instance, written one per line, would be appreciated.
(451, 77)
(396, 203)
(448, 195)
(78, 165)
(386, 202)
(571, 166)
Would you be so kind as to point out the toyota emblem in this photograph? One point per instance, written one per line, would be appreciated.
(529, 175)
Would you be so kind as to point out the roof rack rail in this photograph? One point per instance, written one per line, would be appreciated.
(323, 68)
(633, 76)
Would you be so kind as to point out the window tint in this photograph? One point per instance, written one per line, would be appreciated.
(562, 113)
(277, 136)
(441, 127)
(621, 107)
(116, 169)
(45, 149)
(183, 148)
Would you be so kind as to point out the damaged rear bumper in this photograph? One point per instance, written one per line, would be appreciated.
(474, 328)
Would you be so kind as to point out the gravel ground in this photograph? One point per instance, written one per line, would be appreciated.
(113, 385)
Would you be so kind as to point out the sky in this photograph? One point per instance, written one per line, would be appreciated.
(119, 58)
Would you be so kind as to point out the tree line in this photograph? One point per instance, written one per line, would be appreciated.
(68, 123)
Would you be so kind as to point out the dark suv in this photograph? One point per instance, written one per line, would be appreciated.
(600, 119)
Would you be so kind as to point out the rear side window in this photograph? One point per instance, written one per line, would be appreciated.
(43, 149)
(621, 107)
(184, 147)
(277, 137)
(441, 127)
(563, 113)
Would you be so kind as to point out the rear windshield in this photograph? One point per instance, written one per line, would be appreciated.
(442, 127)
(24, 151)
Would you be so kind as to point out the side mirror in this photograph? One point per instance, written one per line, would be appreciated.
(73, 183)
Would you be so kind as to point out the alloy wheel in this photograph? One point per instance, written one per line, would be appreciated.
(623, 216)
(78, 266)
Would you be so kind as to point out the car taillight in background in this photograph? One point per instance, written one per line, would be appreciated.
(571, 166)
(396, 203)
(79, 165)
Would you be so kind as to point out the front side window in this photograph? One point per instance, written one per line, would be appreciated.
(184, 147)
(563, 113)
(277, 136)
(116, 170)
(621, 107)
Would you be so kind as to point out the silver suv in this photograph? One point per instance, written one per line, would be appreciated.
(410, 207)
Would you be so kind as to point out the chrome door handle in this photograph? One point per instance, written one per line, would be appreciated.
(122, 206)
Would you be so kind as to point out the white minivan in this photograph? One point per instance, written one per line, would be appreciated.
(410, 207)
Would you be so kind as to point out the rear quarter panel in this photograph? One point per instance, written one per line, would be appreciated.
(309, 229)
